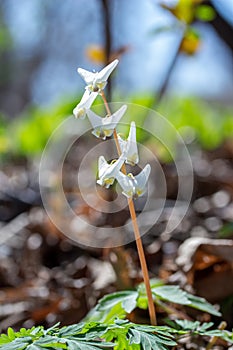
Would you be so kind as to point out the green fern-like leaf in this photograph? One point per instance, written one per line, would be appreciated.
(127, 300)
(201, 304)
(117, 335)
(130, 336)
(176, 295)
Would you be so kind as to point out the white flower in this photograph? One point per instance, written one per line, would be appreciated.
(104, 127)
(129, 146)
(96, 81)
(108, 172)
(134, 186)
(88, 98)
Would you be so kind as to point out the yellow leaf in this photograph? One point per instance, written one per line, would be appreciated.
(96, 54)
(190, 43)
(184, 10)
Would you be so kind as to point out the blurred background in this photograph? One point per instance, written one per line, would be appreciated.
(184, 50)
(175, 57)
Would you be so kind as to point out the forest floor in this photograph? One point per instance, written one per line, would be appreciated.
(46, 278)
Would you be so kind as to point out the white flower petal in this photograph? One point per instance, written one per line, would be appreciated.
(87, 76)
(108, 172)
(122, 143)
(97, 81)
(134, 186)
(100, 182)
(102, 165)
(112, 120)
(126, 183)
(142, 178)
(89, 99)
(85, 97)
(79, 113)
(114, 168)
(104, 127)
(132, 148)
(86, 101)
(116, 117)
(103, 75)
(95, 120)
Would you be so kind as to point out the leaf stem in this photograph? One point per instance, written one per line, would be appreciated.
(139, 244)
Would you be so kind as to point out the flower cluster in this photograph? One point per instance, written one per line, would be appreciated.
(103, 127)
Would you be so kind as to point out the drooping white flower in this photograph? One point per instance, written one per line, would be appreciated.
(108, 172)
(88, 98)
(134, 186)
(129, 146)
(96, 81)
(104, 127)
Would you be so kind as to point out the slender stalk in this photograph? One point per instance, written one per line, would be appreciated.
(142, 259)
(163, 88)
(106, 5)
(213, 340)
(105, 103)
(171, 67)
(139, 244)
(114, 133)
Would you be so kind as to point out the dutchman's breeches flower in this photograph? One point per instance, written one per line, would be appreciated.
(108, 172)
(134, 186)
(96, 81)
(86, 102)
(129, 146)
(104, 127)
